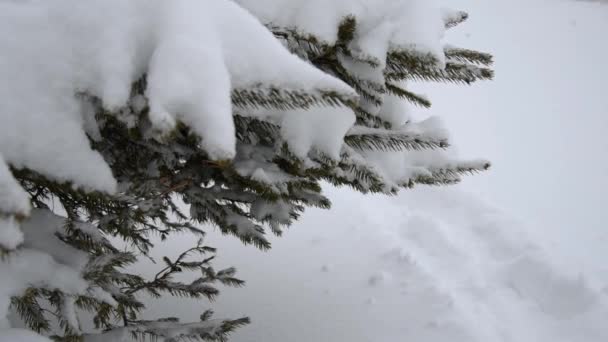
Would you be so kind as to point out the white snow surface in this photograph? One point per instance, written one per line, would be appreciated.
(432, 265)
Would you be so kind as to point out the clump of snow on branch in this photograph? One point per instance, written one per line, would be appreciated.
(45, 261)
(300, 127)
(13, 202)
(191, 50)
(406, 23)
(382, 27)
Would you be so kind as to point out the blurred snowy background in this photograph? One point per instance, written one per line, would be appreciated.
(516, 254)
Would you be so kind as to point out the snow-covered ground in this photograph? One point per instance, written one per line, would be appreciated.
(541, 122)
(436, 265)
(430, 266)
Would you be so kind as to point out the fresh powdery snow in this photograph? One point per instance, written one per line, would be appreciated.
(431, 265)
(13, 200)
(44, 260)
(301, 129)
(202, 54)
(192, 50)
(382, 23)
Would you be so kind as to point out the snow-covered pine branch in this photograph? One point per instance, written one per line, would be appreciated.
(161, 116)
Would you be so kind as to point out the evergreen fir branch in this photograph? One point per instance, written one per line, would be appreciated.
(367, 89)
(362, 57)
(251, 130)
(288, 173)
(346, 31)
(231, 220)
(271, 192)
(309, 199)
(276, 98)
(365, 118)
(466, 73)
(101, 269)
(200, 287)
(462, 168)
(450, 174)
(436, 180)
(30, 311)
(85, 241)
(408, 95)
(361, 179)
(408, 64)
(66, 338)
(311, 48)
(346, 34)
(116, 217)
(455, 19)
(371, 87)
(352, 171)
(390, 140)
(303, 42)
(402, 60)
(453, 72)
(468, 56)
(170, 329)
(282, 217)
